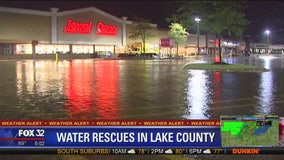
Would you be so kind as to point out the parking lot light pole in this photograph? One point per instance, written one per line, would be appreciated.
(267, 32)
(197, 20)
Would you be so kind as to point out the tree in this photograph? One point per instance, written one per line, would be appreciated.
(223, 18)
(178, 33)
(143, 29)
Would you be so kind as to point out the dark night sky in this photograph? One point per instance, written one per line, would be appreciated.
(262, 14)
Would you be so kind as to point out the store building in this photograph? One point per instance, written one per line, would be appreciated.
(85, 31)
(80, 31)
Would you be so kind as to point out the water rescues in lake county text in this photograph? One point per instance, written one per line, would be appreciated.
(125, 137)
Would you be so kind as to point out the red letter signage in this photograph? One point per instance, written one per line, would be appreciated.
(78, 27)
(104, 29)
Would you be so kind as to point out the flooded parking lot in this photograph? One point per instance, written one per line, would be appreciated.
(137, 89)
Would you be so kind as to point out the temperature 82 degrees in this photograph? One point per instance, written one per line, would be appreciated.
(31, 132)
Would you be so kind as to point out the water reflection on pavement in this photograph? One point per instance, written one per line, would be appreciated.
(137, 89)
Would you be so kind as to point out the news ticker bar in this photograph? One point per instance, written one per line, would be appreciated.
(7, 123)
(144, 151)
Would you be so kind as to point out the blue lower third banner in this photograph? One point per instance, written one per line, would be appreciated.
(111, 137)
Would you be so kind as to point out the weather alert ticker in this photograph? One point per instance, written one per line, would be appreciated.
(238, 134)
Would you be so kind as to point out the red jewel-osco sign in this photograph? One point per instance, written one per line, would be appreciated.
(73, 27)
(78, 27)
(105, 29)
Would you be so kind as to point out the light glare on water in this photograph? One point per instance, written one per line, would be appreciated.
(146, 89)
(139, 89)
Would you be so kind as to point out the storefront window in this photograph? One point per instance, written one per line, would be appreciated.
(24, 49)
(76, 49)
(63, 48)
(154, 48)
(51, 49)
(85, 49)
(104, 50)
(120, 49)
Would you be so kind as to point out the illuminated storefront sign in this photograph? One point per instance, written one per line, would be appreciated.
(86, 28)
(105, 29)
(78, 27)
(166, 42)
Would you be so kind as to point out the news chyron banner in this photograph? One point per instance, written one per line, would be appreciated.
(229, 135)
(119, 134)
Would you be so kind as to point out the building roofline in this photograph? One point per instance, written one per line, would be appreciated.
(24, 11)
(133, 22)
(92, 9)
(67, 12)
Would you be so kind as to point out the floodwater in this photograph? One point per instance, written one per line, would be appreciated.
(138, 89)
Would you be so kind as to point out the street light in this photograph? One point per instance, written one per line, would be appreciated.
(197, 20)
(267, 32)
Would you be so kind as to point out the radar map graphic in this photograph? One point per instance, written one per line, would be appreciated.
(262, 131)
